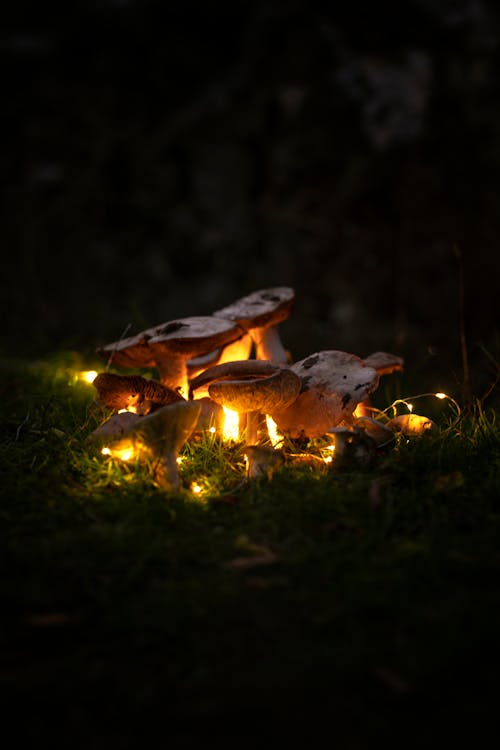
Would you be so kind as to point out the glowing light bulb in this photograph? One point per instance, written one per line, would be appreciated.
(440, 395)
(195, 487)
(329, 459)
(88, 376)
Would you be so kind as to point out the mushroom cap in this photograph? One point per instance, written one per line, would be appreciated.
(123, 391)
(333, 383)
(384, 362)
(189, 337)
(260, 309)
(412, 425)
(250, 385)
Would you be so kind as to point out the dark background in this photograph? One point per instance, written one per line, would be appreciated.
(162, 159)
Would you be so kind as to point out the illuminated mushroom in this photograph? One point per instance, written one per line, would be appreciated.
(161, 435)
(332, 384)
(132, 393)
(250, 387)
(169, 346)
(412, 425)
(259, 314)
(114, 428)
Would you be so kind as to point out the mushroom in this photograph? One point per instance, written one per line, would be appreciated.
(412, 425)
(114, 428)
(250, 387)
(262, 461)
(259, 314)
(354, 448)
(132, 393)
(384, 362)
(161, 435)
(236, 350)
(170, 345)
(333, 383)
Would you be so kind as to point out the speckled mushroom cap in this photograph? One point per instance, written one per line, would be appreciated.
(189, 337)
(333, 383)
(262, 308)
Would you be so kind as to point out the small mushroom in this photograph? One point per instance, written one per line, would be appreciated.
(132, 392)
(332, 384)
(259, 314)
(262, 461)
(169, 346)
(114, 428)
(250, 387)
(412, 425)
(162, 434)
(354, 448)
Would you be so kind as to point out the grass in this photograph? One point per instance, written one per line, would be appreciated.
(362, 602)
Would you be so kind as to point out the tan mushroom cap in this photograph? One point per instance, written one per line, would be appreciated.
(189, 337)
(249, 385)
(333, 383)
(384, 362)
(259, 314)
(262, 308)
(262, 394)
(132, 391)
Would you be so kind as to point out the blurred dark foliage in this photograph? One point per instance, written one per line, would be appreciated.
(160, 160)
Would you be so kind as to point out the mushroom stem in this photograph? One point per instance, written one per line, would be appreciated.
(268, 344)
(167, 473)
(252, 429)
(172, 370)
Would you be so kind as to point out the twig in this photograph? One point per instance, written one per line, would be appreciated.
(110, 358)
(19, 428)
(461, 323)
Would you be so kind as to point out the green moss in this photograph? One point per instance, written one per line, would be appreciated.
(369, 596)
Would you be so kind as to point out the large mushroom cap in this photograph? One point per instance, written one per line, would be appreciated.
(189, 337)
(250, 385)
(262, 308)
(333, 383)
(262, 394)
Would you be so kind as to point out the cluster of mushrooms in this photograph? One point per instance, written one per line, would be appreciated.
(235, 359)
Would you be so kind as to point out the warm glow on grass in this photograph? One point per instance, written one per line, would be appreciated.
(329, 456)
(88, 376)
(123, 452)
